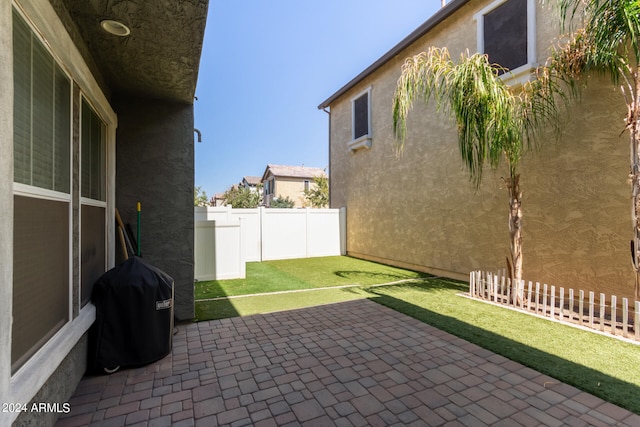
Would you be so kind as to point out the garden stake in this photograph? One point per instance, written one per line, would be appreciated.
(138, 231)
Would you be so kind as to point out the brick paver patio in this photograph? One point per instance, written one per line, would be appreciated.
(348, 364)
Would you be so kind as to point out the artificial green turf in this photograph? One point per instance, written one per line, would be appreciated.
(598, 364)
(246, 306)
(306, 273)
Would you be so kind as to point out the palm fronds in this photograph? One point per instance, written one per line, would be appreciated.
(492, 119)
(607, 42)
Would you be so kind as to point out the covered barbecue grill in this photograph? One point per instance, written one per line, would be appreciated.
(134, 316)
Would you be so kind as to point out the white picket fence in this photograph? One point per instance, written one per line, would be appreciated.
(603, 314)
(227, 238)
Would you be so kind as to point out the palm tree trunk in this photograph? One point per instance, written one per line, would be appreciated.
(515, 231)
(633, 118)
(635, 193)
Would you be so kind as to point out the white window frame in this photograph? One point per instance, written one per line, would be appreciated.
(86, 201)
(35, 192)
(363, 141)
(523, 73)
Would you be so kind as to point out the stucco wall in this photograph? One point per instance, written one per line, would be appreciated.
(59, 387)
(155, 164)
(421, 211)
(294, 189)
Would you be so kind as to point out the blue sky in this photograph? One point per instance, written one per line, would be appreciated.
(267, 65)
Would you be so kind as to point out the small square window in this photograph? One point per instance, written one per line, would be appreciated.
(361, 120)
(506, 33)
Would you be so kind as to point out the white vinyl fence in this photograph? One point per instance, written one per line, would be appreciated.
(226, 238)
(617, 317)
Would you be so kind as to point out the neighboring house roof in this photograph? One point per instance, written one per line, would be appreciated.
(252, 180)
(158, 60)
(293, 172)
(423, 29)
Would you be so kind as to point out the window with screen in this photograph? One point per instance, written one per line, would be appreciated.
(93, 154)
(361, 116)
(41, 114)
(42, 211)
(361, 120)
(93, 203)
(506, 33)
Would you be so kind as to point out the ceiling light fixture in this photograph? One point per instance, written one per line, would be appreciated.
(115, 27)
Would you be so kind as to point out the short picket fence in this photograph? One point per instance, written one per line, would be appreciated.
(607, 315)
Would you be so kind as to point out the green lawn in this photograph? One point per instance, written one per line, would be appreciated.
(307, 273)
(598, 364)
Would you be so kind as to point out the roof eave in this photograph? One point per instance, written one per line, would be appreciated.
(423, 29)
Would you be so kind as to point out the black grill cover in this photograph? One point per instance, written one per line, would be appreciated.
(134, 315)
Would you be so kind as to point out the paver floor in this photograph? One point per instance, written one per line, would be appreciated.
(349, 364)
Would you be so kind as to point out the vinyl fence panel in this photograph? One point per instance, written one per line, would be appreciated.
(265, 234)
(219, 251)
(319, 241)
(284, 234)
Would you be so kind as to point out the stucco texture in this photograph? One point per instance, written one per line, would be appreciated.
(154, 166)
(294, 189)
(421, 211)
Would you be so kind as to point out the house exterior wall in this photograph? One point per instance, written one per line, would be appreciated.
(59, 387)
(52, 373)
(154, 165)
(294, 189)
(422, 212)
(160, 134)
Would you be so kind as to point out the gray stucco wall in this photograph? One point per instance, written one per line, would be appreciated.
(59, 388)
(155, 165)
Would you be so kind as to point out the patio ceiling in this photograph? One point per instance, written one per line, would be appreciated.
(161, 56)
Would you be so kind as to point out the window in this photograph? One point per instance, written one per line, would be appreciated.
(93, 205)
(361, 120)
(42, 211)
(42, 108)
(93, 154)
(506, 33)
(361, 116)
(93, 248)
(307, 185)
(269, 186)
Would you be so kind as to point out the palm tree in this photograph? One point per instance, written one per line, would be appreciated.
(494, 120)
(608, 43)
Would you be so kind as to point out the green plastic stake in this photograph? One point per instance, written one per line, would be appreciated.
(138, 231)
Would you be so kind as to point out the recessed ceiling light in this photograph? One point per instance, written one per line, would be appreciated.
(115, 27)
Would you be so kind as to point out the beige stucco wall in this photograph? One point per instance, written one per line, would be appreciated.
(421, 211)
(294, 189)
